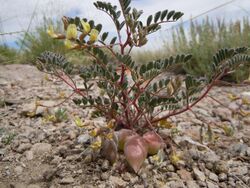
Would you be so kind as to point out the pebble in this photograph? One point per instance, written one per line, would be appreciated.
(222, 177)
(184, 175)
(117, 181)
(211, 185)
(23, 147)
(83, 139)
(41, 148)
(199, 175)
(18, 170)
(174, 184)
(239, 171)
(192, 184)
(29, 155)
(213, 177)
(67, 180)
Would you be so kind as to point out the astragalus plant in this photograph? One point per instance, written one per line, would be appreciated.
(136, 100)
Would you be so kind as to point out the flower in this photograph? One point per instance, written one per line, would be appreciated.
(71, 32)
(70, 45)
(86, 27)
(51, 32)
(93, 35)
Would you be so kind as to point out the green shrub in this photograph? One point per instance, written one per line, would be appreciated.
(204, 39)
(34, 43)
(7, 55)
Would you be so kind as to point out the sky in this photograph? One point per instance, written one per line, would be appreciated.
(15, 15)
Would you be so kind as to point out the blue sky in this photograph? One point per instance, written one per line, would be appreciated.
(15, 15)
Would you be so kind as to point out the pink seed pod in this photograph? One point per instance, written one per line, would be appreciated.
(135, 150)
(154, 141)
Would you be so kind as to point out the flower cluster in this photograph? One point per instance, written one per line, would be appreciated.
(75, 37)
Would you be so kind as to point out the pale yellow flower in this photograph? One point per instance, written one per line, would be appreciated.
(86, 27)
(93, 35)
(51, 32)
(68, 44)
(71, 32)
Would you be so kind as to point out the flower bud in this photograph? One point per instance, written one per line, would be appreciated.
(71, 32)
(51, 32)
(86, 27)
(93, 35)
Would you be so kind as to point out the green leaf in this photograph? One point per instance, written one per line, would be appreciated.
(177, 15)
(170, 14)
(104, 36)
(163, 15)
(157, 16)
(149, 20)
(113, 41)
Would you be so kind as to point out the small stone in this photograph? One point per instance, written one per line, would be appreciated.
(211, 185)
(29, 155)
(184, 175)
(23, 147)
(174, 184)
(220, 167)
(192, 184)
(239, 171)
(18, 170)
(222, 177)
(83, 139)
(223, 113)
(210, 156)
(105, 165)
(49, 174)
(194, 154)
(213, 177)
(238, 149)
(170, 168)
(41, 148)
(67, 180)
(104, 176)
(117, 181)
(199, 175)
(56, 160)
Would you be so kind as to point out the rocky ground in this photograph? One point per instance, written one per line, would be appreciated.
(36, 154)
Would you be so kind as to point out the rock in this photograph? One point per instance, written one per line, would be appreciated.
(49, 174)
(67, 180)
(223, 113)
(56, 160)
(222, 177)
(174, 184)
(239, 171)
(18, 170)
(199, 175)
(220, 167)
(117, 181)
(29, 155)
(104, 176)
(192, 184)
(248, 152)
(213, 177)
(209, 156)
(184, 175)
(23, 147)
(170, 168)
(211, 185)
(194, 154)
(83, 139)
(41, 148)
(238, 149)
(105, 165)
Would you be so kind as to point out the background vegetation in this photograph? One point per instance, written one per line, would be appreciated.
(202, 39)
